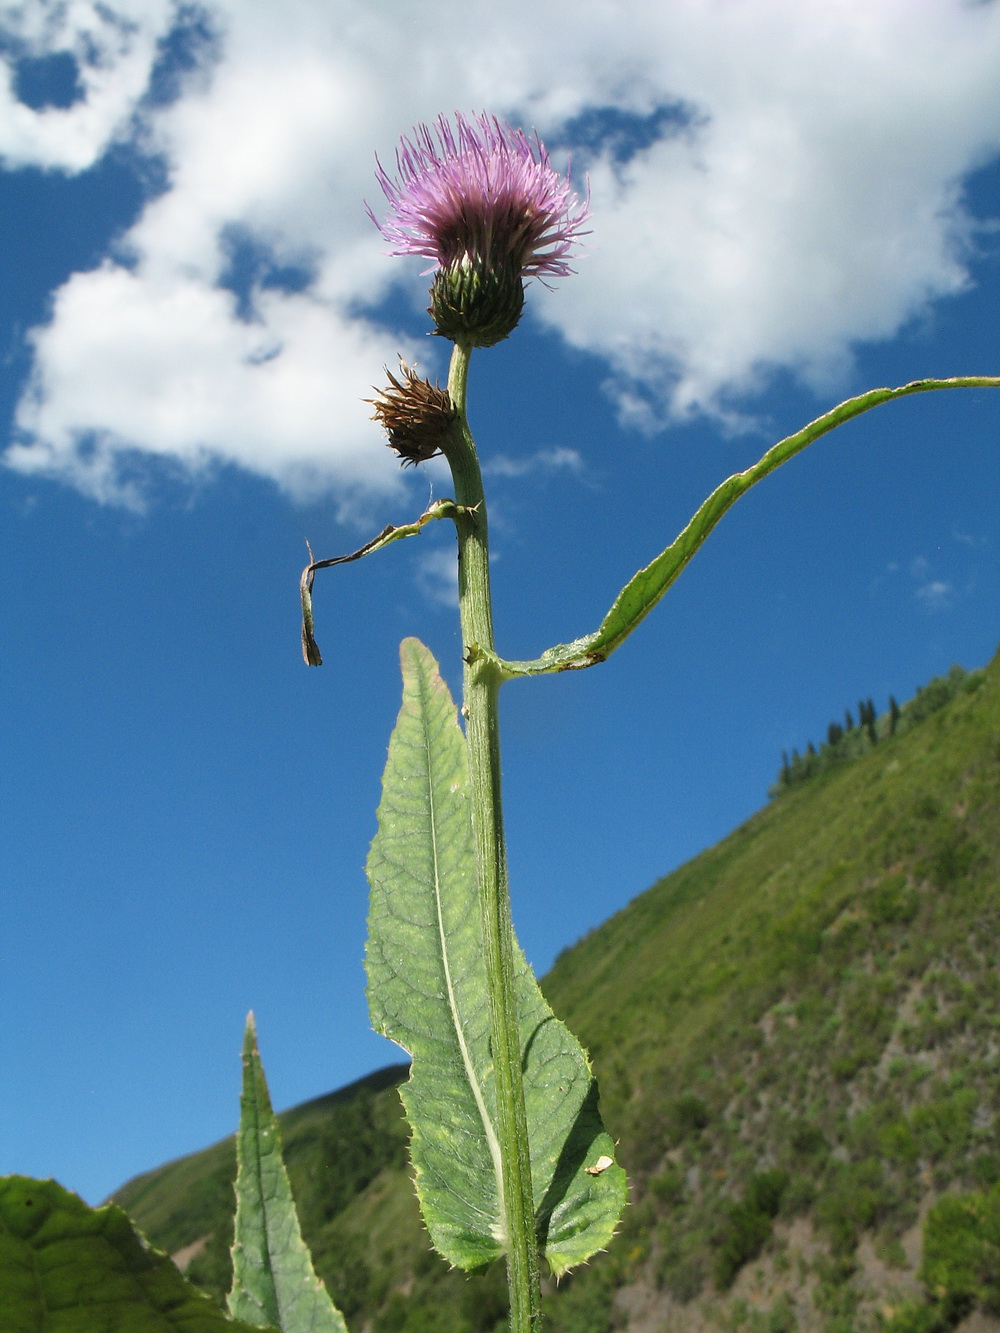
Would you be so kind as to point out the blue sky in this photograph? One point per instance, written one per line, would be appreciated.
(788, 207)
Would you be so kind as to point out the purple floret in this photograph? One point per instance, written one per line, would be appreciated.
(482, 193)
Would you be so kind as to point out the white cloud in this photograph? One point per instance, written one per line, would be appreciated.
(977, 542)
(812, 199)
(815, 204)
(115, 47)
(936, 595)
(437, 576)
(557, 459)
(157, 361)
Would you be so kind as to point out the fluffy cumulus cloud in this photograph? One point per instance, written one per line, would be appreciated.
(112, 48)
(771, 183)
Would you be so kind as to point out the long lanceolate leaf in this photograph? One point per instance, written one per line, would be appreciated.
(273, 1277)
(645, 588)
(426, 990)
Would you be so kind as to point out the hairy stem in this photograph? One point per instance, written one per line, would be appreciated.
(481, 684)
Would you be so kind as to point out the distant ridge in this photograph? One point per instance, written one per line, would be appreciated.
(797, 1036)
(855, 738)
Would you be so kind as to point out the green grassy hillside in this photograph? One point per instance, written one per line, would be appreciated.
(797, 1036)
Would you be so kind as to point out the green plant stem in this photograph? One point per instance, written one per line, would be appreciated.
(481, 683)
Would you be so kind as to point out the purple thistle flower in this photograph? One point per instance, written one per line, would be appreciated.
(483, 201)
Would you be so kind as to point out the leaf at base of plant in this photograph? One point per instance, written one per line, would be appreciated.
(273, 1277)
(68, 1268)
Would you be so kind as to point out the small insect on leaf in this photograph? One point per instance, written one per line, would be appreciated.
(602, 1164)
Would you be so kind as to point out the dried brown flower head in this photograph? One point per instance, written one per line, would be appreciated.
(417, 415)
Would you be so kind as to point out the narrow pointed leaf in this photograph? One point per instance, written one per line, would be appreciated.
(67, 1268)
(645, 588)
(427, 991)
(273, 1277)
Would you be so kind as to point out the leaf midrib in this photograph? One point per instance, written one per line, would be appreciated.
(258, 1181)
(470, 1070)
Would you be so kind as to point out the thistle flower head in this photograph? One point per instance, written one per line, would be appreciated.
(482, 200)
(416, 415)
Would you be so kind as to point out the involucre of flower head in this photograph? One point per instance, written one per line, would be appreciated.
(416, 415)
(482, 200)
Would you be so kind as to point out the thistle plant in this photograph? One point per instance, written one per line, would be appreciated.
(509, 1153)
(486, 205)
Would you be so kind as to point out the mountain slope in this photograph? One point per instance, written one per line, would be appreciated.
(796, 1036)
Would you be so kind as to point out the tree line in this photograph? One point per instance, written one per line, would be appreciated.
(859, 733)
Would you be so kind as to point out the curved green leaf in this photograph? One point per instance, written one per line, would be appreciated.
(273, 1278)
(427, 991)
(67, 1268)
(644, 589)
(443, 508)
